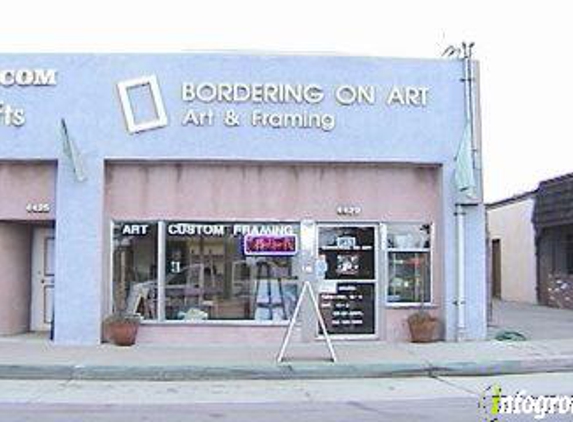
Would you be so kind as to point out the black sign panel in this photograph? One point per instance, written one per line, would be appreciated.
(349, 252)
(351, 310)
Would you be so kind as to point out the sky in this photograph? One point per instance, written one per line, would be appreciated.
(523, 48)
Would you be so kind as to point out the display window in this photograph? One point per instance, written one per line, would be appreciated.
(213, 271)
(134, 284)
(409, 263)
(189, 271)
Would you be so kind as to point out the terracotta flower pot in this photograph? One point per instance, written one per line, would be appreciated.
(122, 331)
(423, 327)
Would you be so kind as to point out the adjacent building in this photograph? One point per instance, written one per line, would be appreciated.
(531, 245)
(512, 248)
(553, 223)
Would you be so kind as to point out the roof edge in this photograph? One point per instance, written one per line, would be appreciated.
(511, 200)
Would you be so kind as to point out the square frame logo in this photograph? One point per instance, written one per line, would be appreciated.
(133, 126)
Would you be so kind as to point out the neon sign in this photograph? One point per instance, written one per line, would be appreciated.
(260, 245)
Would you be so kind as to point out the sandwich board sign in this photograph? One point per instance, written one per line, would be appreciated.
(306, 290)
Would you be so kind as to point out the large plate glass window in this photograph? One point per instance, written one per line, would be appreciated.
(347, 293)
(223, 271)
(409, 263)
(135, 269)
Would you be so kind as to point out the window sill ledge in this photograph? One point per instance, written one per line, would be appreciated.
(412, 306)
(239, 323)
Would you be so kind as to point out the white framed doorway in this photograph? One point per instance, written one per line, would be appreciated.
(43, 278)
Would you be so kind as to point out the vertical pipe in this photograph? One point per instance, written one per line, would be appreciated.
(460, 212)
(468, 80)
(460, 269)
(161, 270)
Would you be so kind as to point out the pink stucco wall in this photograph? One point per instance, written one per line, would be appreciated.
(208, 333)
(218, 191)
(15, 255)
(23, 183)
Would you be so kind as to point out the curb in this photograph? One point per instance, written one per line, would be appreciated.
(503, 367)
(282, 371)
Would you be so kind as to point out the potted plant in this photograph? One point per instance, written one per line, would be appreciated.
(122, 325)
(121, 328)
(423, 325)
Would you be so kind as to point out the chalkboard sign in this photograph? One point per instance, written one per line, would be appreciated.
(351, 310)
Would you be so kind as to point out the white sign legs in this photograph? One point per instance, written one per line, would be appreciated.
(306, 289)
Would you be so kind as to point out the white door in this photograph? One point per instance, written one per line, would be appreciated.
(43, 260)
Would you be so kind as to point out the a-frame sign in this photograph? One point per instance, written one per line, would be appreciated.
(306, 290)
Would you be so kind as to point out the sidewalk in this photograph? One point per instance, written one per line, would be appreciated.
(536, 322)
(34, 358)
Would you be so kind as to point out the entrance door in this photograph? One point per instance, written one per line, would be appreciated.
(348, 279)
(43, 260)
(496, 268)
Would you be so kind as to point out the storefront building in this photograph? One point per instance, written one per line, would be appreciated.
(201, 190)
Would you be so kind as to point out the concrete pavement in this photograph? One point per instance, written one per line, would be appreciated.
(398, 399)
(35, 358)
(534, 321)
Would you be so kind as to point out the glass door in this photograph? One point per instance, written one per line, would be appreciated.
(347, 271)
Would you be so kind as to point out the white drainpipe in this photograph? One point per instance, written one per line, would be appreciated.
(460, 270)
(460, 208)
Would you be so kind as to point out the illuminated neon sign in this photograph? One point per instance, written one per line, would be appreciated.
(261, 245)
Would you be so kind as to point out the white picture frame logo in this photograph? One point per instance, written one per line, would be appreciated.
(152, 83)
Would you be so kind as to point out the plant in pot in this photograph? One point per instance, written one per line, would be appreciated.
(122, 325)
(423, 325)
(121, 328)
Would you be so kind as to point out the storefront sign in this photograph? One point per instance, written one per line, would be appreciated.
(254, 245)
(12, 115)
(208, 103)
(28, 77)
(152, 85)
(192, 229)
(134, 229)
(263, 229)
(189, 229)
(262, 94)
(280, 93)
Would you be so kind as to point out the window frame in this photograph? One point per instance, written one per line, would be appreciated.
(161, 273)
(379, 272)
(110, 286)
(430, 251)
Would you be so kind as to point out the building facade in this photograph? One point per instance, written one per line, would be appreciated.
(201, 190)
(512, 248)
(553, 224)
